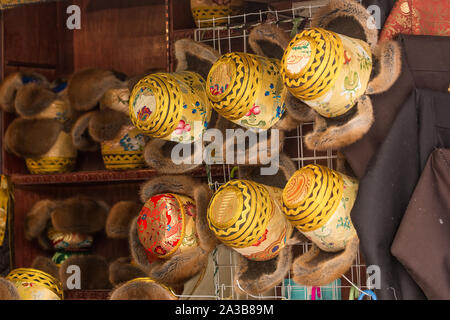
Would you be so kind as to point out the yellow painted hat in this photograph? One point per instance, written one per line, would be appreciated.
(246, 216)
(247, 89)
(34, 284)
(166, 225)
(62, 155)
(171, 106)
(205, 10)
(326, 70)
(126, 150)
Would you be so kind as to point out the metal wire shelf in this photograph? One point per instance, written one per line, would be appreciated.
(233, 37)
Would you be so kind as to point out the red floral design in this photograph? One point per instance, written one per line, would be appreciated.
(254, 110)
(418, 17)
(182, 127)
(261, 239)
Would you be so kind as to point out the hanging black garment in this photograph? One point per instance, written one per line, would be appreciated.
(422, 125)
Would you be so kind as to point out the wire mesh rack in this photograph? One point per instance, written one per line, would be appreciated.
(233, 36)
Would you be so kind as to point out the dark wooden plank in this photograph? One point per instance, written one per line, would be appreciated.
(31, 33)
(127, 38)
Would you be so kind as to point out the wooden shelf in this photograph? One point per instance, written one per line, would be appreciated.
(99, 176)
(86, 294)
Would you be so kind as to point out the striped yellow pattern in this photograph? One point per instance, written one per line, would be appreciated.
(324, 65)
(41, 279)
(311, 197)
(239, 212)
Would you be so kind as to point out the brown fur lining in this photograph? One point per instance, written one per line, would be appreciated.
(346, 17)
(119, 219)
(87, 87)
(298, 109)
(337, 136)
(81, 138)
(10, 86)
(319, 268)
(141, 290)
(47, 265)
(256, 277)
(390, 64)
(195, 56)
(268, 40)
(106, 124)
(32, 99)
(8, 290)
(37, 219)
(183, 266)
(121, 270)
(116, 99)
(79, 214)
(28, 138)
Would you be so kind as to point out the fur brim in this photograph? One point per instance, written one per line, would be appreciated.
(32, 99)
(141, 290)
(195, 56)
(339, 133)
(120, 217)
(47, 265)
(256, 277)
(286, 170)
(157, 155)
(268, 40)
(27, 138)
(389, 57)
(10, 86)
(117, 100)
(121, 270)
(298, 109)
(87, 87)
(81, 138)
(94, 272)
(106, 124)
(38, 218)
(346, 17)
(319, 268)
(79, 214)
(8, 290)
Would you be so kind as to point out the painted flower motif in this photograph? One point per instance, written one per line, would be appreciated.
(254, 110)
(160, 250)
(144, 113)
(189, 207)
(261, 239)
(217, 90)
(182, 127)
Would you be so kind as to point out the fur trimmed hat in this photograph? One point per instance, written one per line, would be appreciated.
(8, 290)
(257, 277)
(102, 96)
(349, 18)
(198, 57)
(44, 114)
(142, 289)
(12, 85)
(81, 215)
(181, 266)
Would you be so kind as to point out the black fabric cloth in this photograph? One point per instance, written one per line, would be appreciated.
(385, 191)
(422, 242)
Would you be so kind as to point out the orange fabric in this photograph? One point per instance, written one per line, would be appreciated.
(418, 17)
